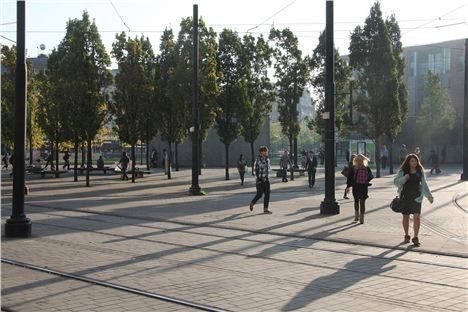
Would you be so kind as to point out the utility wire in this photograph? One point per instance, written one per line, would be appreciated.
(115, 9)
(8, 39)
(448, 25)
(435, 19)
(284, 8)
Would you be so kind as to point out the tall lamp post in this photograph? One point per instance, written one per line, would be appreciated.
(18, 225)
(329, 204)
(195, 188)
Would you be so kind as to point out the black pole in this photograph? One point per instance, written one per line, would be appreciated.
(329, 204)
(18, 225)
(464, 175)
(195, 188)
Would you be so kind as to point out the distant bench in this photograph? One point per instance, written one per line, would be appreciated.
(279, 172)
(43, 172)
(104, 169)
(138, 173)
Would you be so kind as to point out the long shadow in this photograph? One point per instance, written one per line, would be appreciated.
(128, 211)
(302, 242)
(162, 253)
(354, 272)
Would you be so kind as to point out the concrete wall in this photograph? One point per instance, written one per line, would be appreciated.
(213, 149)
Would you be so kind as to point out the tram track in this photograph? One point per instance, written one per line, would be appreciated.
(244, 235)
(426, 223)
(194, 305)
(209, 231)
(114, 286)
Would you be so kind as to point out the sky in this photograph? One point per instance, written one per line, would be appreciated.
(421, 21)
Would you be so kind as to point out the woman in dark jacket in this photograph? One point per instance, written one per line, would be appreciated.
(358, 178)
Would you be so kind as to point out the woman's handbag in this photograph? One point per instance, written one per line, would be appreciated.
(345, 171)
(397, 204)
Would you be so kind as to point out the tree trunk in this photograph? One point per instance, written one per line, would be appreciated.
(141, 153)
(377, 158)
(56, 155)
(176, 160)
(200, 156)
(133, 158)
(76, 149)
(291, 146)
(89, 151)
(295, 153)
(390, 158)
(147, 155)
(31, 161)
(252, 153)
(83, 154)
(168, 163)
(226, 150)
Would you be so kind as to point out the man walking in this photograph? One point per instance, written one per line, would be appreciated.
(123, 164)
(262, 166)
(311, 166)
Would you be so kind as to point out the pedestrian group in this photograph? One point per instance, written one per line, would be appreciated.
(410, 182)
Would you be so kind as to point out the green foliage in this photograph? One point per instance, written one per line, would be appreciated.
(291, 72)
(132, 97)
(398, 112)
(51, 113)
(8, 95)
(256, 59)
(233, 87)
(342, 88)
(8, 98)
(170, 100)
(207, 77)
(436, 116)
(375, 58)
(77, 71)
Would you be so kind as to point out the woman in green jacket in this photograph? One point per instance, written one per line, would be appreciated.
(412, 188)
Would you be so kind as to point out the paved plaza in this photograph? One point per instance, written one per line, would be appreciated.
(150, 246)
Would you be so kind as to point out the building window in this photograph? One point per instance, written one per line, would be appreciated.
(460, 63)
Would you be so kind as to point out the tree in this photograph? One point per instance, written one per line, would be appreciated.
(150, 128)
(375, 68)
(8, 95)
(342, 88)
(233, 90)
(51, 114)
(436, 110)
(256, 60)
(132, 96)
(78, 71)
(208, 85)
(398, 112)
(8, 99)
(170, 105)
(291, 72)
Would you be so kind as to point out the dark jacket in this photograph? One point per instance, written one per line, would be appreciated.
(311, 164)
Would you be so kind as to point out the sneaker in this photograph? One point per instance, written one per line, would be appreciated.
(267, 212)
(251, 206)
